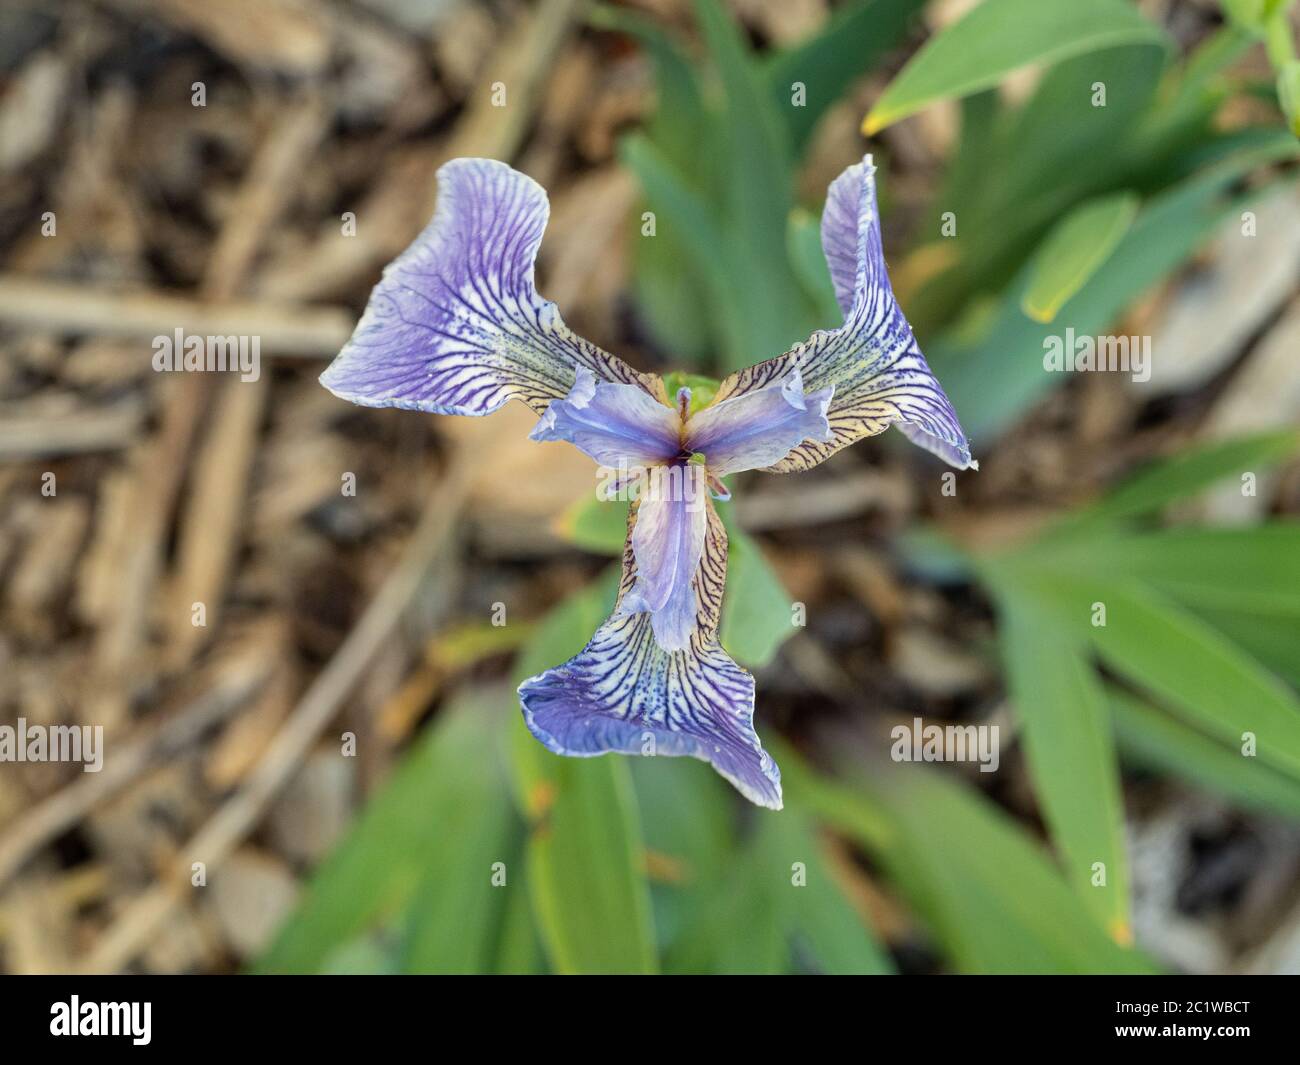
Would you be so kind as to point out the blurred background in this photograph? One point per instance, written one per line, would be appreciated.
(299, 624)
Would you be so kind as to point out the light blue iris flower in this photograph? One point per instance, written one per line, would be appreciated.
(456, 326)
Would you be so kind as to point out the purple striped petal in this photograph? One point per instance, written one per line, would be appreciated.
(456, 326)
(873, 363)
(617, 425)
(625, 693)
(851, 236)
(759, 428)
(668, 543)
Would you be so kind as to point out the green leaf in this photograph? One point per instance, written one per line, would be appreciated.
(518, 949)
(688, 815)
(1248, 568)
(673, 298)
(756, 192)
(717, 274)
(804, 238)
(985, 889)
(674, 200)
(814, 911)
(853, 40)
(368, 955)
(1033, 153)
(858, 814)
(774, 906)
(1266, 632)
(672, 301)
(1288, 94)
(994, 376)
(1192, 668)
(1196, 90)
(1001, 36)
(586, 861)
(737, 927)
(586, 870)
(1188, 472)
(420, 853)
(1156, 740)
(959, 856)
(1074, 250)
(1253, 15)
(756, 611)
(694, 263)
(595, 525)
(680, 117)
(457, 933)
(1071, 753)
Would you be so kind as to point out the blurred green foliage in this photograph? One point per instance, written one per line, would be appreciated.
(717, 285)
(995, 39)
(618, 865)
(484, 852)
(1112, 585)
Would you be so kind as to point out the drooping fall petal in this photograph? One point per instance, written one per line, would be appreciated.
(456, 326)
(625, 693)
(872, 361)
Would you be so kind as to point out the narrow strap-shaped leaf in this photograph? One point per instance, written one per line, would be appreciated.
(1197, 671)
(994, 372)
(1156, 740)
(419, 855)
(1074, 250)
(811, 902)
(1000, 36)
(586, 871)
(1188, 472)
(756, 609)
(984, 888)
(853, 40)
(1062, 710)
(1248, 568)
(586, 860)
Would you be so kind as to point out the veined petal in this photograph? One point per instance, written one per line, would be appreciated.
(872, 361)
(668, 544)
(456, 326)
(758, 429)
(624, 693)
(851, 236)
(617, 425)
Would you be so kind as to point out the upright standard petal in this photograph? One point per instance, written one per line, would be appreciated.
(872, 361)
(617, 425)
(625, 693)
(456, 326)
(754, 430)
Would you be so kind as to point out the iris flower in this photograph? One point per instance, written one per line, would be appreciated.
(456, 326)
